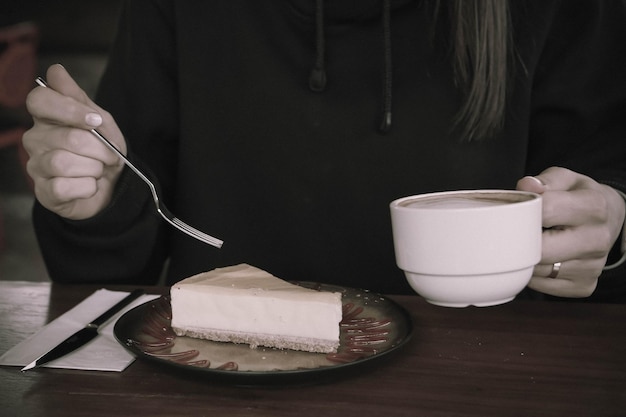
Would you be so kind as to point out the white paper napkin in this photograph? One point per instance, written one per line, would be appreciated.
(104, 353)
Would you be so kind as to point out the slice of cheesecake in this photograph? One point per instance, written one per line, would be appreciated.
(244, 304)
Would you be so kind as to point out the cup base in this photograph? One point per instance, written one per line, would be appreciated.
(463, 305)
(470, 290)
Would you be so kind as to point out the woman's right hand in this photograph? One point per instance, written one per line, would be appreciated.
(74, 174)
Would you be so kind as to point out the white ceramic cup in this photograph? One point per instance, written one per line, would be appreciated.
(461, 248)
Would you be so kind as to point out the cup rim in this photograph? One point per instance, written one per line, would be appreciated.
(528, 197)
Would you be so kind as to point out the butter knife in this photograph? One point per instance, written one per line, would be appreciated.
(84, 335)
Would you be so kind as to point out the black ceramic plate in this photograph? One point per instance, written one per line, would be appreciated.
(372, 327)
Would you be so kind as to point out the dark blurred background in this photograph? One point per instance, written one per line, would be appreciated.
(34, 35)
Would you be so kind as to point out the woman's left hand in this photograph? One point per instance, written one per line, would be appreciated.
(582, 219)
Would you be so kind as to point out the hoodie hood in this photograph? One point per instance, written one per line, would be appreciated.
(341, 11)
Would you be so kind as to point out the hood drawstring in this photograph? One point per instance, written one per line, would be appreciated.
(385, 126)
(317, 78)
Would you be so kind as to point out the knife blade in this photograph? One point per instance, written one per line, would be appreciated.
(83, 336)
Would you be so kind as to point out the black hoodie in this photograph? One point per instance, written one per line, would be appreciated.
(216, 98)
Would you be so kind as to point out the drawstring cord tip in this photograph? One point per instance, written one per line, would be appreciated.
(385, 126)
(317, 80)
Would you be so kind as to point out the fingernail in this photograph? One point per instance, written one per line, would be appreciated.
(535, 179)
(93, 119)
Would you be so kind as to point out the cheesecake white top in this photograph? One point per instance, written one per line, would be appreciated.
(243, 278)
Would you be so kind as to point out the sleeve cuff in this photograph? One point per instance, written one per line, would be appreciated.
(619, 242)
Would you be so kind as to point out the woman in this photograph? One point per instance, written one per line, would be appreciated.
(262, 122)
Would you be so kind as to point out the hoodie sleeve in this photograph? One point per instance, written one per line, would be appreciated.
(579, 104)
(119, 245)
(127, 242)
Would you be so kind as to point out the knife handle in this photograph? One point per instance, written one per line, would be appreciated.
(100, 320)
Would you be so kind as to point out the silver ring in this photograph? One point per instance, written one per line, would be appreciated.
(556, 267)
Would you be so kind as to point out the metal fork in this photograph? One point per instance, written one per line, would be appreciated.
(160, 206)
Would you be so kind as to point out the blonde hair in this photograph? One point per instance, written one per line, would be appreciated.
(480, 45)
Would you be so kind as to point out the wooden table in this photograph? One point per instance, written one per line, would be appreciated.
(524, 358)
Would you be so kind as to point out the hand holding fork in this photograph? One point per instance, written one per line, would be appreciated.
(153, 186)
